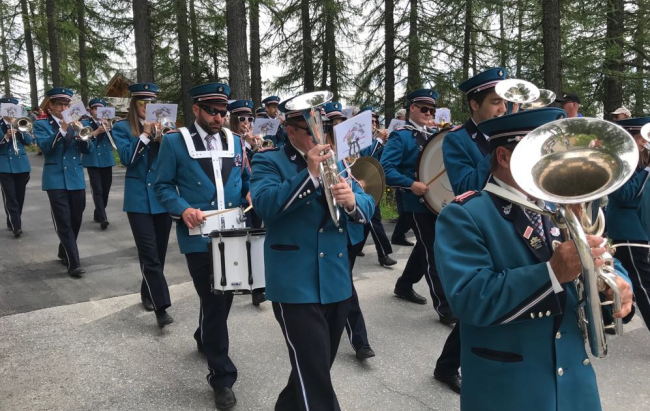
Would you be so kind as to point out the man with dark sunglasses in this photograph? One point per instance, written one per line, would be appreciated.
(187, 186)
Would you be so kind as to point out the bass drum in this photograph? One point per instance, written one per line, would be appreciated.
(429, 165)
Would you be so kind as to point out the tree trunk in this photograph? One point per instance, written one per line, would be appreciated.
(639, 92)
(414, 82)
(389, 61)
(330, 44)
(326, 48)
(53, 41)
(237, 51)
(256, 62)
(143, 49)
(29, 46)
(520, 29)
(467, 36)
(307, 51)
(503, 56)
(42, 42)
(196, 65)
(182, 30)
(5, 62)
(83, 72)
(613, 93)
(552, 45)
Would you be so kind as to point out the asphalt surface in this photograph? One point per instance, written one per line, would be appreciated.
(87, 344)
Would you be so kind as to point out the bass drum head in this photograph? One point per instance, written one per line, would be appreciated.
(430, 164)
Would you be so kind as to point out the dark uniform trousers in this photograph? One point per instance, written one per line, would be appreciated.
(212, 333)
(422, 263)
(13, 197)
(67, 212)
(636, 261)
(151, 235)
(355, 326)
(449, 361)
(312, 333)
(402, 226)
(101, 179)
(376, 228)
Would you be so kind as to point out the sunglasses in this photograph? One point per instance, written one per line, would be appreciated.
(145, 102)
(244, 118)
(305, 129)
(425, 109)
(213, 111)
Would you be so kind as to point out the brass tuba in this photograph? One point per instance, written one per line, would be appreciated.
(309, 104)
(572, 162)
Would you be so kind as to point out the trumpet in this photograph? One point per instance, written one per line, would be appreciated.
(262, 144)
(23, 124)
(108, 126)
(162, 127)
(84, 133)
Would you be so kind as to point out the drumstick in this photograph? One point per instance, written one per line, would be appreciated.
(437, 176)
(247, 209)
(217, 212)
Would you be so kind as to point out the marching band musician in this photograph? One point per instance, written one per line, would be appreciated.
(626, 223)
(63, 176)
(272, 112)
(150, 223)
(14, 171)
(355, 326)
(99, 163)
(186, 187)
(307, 273)
(514, 293)
(399, 160)
(466, 152)
(375, 227)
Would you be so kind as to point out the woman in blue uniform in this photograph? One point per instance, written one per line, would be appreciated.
(150, 223)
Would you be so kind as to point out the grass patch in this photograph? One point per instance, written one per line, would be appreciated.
(387, 205)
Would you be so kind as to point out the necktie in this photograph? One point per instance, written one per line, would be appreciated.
(536, 219)
(208, 142)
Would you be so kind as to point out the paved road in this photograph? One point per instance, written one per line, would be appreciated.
(87, 344)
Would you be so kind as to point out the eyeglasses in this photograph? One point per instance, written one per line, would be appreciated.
(374, 121)
(305, 129)
(213, 111)
(145, 102)
(244, 118)
(425, 109)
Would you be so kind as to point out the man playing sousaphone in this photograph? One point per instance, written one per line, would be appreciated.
(186, 187)
(509, 277)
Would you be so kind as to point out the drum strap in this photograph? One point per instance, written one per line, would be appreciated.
(214, 155)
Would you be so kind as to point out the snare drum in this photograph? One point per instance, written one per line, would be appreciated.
(230, 219)
(238, 261)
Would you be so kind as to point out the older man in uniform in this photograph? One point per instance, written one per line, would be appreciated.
(305, 252)
(63, 176)
(514, 293)
(14, 171)
(186, 187)
(99, 164)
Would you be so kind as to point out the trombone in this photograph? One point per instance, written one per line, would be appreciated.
(22, 124)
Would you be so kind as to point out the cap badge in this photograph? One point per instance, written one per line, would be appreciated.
(431, 93)
(500, 73)
(220, 89)
(146, 87)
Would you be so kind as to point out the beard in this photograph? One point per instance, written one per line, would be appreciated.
(209, 127)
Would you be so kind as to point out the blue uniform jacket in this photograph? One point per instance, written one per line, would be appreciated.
(466, 155)
(521, 347)
(625, 209)
(183, 182)
(102, 155)
(141, 161)
(373, 150)
(305, 254)
(62, 169)
(399, 159)
(10, 162)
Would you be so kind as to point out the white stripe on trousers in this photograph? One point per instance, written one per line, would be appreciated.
(295, 356)
(427, 272)
(56, 230)
(4, 200)
(638, 276)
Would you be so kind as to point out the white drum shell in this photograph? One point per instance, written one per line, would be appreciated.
(231, 219)
(236, 262)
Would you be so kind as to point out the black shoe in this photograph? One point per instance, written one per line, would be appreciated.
(224, 398)
(104, 224)
(410, 295)
(199, 346)
(361, 254)
(76, 272)
(610, 331)
(258, 298)
(386, 261)
(163, 319)
(402, 241)
(97, 219)
(448, 320)
(147, 303)
(453, 381)
(17, 233)
(364, 353)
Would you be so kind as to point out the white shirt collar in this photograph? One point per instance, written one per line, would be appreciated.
(518, 193)
(217, 145)
(299, 152)
(419, 128)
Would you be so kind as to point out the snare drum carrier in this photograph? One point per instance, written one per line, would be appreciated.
(237, 251)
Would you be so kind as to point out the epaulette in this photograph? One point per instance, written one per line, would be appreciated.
(268, 150)
(121, 120)
(463, 198)
(457, 128)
